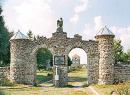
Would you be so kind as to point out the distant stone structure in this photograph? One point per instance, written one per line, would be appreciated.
(101, 65)
(75, 61)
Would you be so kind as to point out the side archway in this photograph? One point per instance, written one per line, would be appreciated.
(33, 58)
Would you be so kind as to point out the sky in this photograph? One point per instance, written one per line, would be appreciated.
(84, 17)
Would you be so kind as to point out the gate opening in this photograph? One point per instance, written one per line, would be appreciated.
(77, 75)
(44, 67)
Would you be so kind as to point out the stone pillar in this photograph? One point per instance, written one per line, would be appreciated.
(62, 72)
(19, 67)
(106, 61)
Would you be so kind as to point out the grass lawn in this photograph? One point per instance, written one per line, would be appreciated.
(76, 79)
(42, 76)
(106, 89)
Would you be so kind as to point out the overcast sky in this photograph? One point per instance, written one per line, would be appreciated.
(84, 17)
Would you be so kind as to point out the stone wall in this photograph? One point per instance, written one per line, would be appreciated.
(4, 72)
(122, 72)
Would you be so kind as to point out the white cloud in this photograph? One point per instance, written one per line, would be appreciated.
(83, 5)
(91, 29)
(122, 33)
(74, 19)
(98, 23)
(36, 15)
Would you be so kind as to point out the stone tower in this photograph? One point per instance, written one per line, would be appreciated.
(106, 62)
(18, 65)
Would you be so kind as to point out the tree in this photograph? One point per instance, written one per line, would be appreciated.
(118, 48)
(44, 57)
(128, 53)
(69, 61)
(30, 35)
(120, 55)
(4, 42)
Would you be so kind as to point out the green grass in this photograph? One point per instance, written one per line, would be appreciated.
(76, 78)
(107, 89)
(42, 76)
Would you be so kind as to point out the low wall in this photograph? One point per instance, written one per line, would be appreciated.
(122, 72)
(4, 72)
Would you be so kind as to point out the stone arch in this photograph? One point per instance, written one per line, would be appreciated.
(35, 49)
(34, 58)
(69, 48)
(90, 47)
(83, 60)
(88, 67)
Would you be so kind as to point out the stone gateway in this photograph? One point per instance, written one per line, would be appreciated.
(100, 56)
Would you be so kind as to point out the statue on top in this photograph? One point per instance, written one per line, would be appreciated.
(60, 25)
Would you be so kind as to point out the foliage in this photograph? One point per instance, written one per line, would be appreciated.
(69, 61)
(6, 82)
(44, 57)
(120, 55)
(4, 42)
(118, 50)
(30, 35)
(128, 53)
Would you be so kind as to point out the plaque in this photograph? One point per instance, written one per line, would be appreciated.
(56, 77)
(59, 60)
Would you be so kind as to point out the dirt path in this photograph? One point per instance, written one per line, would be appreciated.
(92, 90)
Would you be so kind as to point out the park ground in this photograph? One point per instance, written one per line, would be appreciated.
(76, 86)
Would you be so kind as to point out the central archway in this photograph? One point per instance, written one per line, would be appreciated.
(77, 75)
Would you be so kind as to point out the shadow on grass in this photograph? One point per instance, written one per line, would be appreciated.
(77, 79)
(43, 78)
(71, 86)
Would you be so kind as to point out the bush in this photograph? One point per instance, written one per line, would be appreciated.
(6, 82)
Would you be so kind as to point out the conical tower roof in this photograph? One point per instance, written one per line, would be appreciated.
(19, 35)
(104, 31)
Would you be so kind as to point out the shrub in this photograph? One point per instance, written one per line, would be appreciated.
(6, 82)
